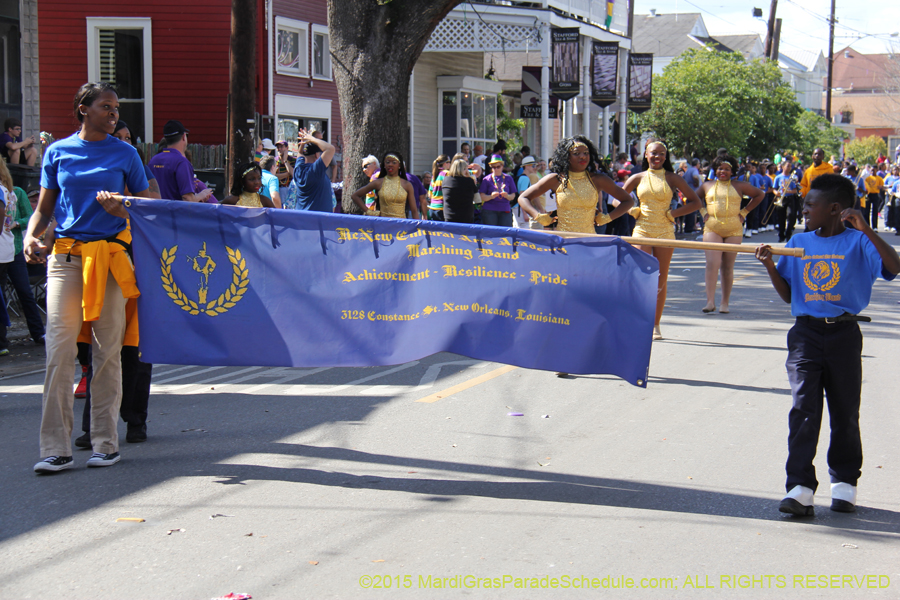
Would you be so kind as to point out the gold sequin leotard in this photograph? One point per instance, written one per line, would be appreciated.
(250, 199)
(723, 203)
(655, 197)
(393, 198)
(576, 205)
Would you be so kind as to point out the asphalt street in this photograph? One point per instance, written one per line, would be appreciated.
(415, 481)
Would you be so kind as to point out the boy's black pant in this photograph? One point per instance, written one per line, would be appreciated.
(827, 358)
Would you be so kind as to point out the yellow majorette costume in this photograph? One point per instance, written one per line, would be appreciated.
(576, 204)
(250, 199)
(392, 197)
(723, 203)
(655, 198)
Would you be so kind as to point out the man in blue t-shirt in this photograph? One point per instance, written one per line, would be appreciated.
(311, 183)
(827, 288)
(173, 171)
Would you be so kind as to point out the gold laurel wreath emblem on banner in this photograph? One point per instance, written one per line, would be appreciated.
(240, 281)
(835, 276)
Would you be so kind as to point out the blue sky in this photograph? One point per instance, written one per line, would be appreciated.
(804, 25)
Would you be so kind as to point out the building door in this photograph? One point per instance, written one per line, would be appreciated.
(11, 65)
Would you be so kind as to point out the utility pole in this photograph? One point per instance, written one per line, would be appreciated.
(830, 63)
(776, 44)
(770, 34)
(242, 84)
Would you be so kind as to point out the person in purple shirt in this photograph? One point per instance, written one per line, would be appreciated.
(13, 148)
(418, 190)
(173, 170)
(496, 190)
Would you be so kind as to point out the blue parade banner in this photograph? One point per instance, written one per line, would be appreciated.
(227, 285)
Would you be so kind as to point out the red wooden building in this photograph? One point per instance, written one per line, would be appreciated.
(301, 91)
(169, 59)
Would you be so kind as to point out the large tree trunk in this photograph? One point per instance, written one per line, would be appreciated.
(374, 46)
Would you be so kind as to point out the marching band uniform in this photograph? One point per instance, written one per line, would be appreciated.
(392, 198)
(655, 196)
(789, 200)
(723, 203)
(250, 199)
(576, 203)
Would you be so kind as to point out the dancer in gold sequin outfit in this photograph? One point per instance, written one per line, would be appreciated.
(724, 224)
(577, 184)
(655, 187)
(245, 191)
(395, 193)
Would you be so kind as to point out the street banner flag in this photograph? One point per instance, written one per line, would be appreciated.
(604, 72)
(531, 95)
(234, 286)
(640, 82)
(565, 82)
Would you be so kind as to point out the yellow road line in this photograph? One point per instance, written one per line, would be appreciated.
(743, 276)
(467, 384)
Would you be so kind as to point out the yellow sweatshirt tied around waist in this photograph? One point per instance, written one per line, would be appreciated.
(98, 260)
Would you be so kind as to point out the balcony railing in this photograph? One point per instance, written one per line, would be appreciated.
(590, 11)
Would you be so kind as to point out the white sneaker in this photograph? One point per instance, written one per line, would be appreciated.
(843, 497)
(98, 459)
(51, 464)
(798, 502)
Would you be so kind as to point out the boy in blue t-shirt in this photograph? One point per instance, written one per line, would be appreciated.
(827, 288)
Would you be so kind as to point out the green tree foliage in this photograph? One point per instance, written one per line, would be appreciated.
(508, 127)
(866, 150)
(813, 131)
(705, 100)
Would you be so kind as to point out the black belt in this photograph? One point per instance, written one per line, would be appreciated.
(838, 319)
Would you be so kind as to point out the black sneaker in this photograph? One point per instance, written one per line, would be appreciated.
(842, 506)
(98, 459)
(792, 507)
(83, 441)
(136, 434)
(52, 464)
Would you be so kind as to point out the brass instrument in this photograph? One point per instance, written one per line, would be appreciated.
(779, 198)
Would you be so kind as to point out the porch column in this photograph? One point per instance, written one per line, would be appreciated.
(604, 131)
(546, 132)
(623, 102)
(586, 88)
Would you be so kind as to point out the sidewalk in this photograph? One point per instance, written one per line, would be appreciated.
(24, 355)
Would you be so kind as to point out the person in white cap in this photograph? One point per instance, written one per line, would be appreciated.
(528, 178)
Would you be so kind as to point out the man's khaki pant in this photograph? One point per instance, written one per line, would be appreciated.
(64, 319)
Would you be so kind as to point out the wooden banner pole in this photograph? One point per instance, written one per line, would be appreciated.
(747, 249)
(634, 241)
